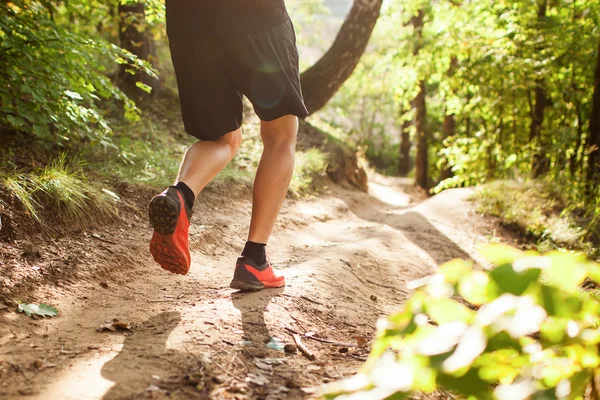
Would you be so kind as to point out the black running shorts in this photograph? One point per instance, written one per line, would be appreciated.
(215, 71)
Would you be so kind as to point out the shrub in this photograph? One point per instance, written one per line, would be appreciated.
(524, 330)
(52, 80)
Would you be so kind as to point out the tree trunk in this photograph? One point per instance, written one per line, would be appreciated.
(404, 163)
(321, 81)
(539, 165)
(574, 161)
(593, 140)
(449, 123)
(421, 161)
(135, 38)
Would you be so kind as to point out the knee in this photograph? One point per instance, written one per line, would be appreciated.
(280, 133)
(233, 140)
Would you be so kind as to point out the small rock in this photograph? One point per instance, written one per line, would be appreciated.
(253, 352)
(193, 379)
(104, 285)
(219, 379)
(374, 298)
(343, 350)
(238, 387)
(290, 348)
(291, 384)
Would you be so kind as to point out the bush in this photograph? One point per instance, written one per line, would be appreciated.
(52, 81)
(524, 330)
(542, 211)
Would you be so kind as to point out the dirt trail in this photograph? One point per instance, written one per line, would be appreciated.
(346, 256)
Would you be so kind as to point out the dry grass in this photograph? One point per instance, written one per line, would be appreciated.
(59, 193)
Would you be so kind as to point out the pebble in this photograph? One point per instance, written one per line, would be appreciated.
(290, 348)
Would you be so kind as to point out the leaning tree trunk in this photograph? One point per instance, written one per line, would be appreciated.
(321, 81)
(539, 164)
(135, 38)
(593, 140)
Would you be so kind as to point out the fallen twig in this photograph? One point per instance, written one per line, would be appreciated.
(331, 342)
(18, 368)
(358, 357)
(302, 347)
(96, 236)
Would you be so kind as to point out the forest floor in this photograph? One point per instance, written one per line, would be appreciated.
(346, 255)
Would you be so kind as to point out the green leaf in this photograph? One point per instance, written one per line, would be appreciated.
(41, 130)
(448, 310)
(455, 270)
(144, 87)
(477, 288)
(566, 271)
(499, 254)
(510, 281)
(15, 121)
(42, 310)
(469, 384)
(73, 95)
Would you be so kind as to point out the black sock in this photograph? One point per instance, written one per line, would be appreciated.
(257, 252)
(188, 194)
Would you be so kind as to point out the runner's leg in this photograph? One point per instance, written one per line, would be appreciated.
(205, 159)
(273, 175)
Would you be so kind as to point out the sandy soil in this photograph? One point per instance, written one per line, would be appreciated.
(346, 255)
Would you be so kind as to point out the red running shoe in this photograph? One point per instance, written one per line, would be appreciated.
(251, 277)
(170, 218)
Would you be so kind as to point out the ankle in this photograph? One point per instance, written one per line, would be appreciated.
(257, 252)
(188, 194)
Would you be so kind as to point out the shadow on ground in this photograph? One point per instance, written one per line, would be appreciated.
(144, 355)
(413, 225)
(252, 308)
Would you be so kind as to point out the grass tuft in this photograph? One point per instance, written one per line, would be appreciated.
(535, 209)
(20, 186)
(59, 192)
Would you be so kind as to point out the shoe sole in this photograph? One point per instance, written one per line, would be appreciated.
(163, 217)
(252, 286)
(163, 214)
(166, 253)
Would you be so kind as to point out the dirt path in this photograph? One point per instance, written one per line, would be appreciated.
(346, 256)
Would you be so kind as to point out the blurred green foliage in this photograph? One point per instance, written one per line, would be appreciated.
(522, 330)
